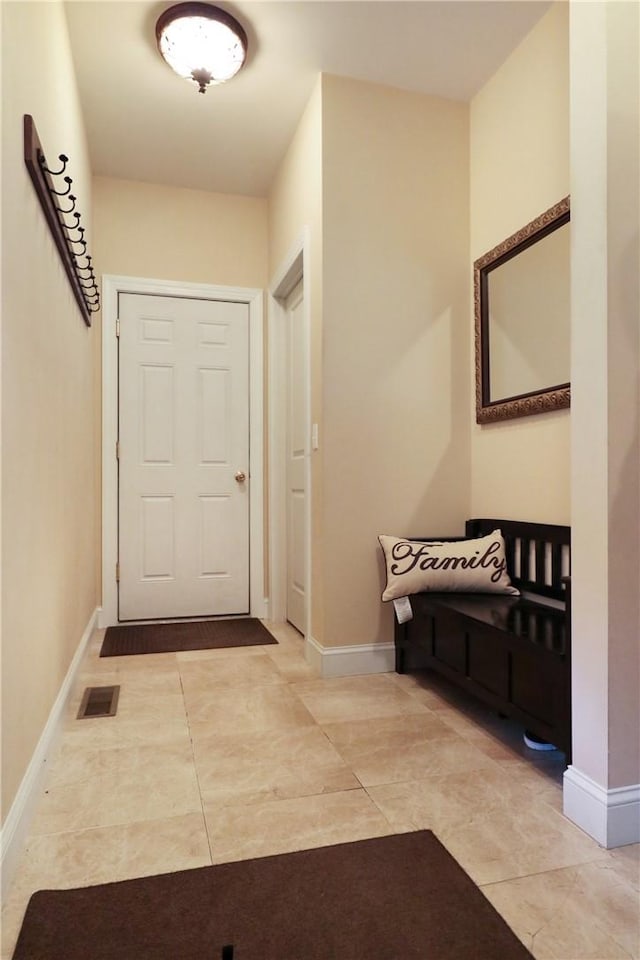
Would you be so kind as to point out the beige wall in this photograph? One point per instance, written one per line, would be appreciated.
(49, 375)
(295, 205)
(167, 233)
(519, 150)
(395, 337)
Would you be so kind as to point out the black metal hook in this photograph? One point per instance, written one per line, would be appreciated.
(76, 262)
(54, 173)
(62, 193)
(71, 208)
(73, 226)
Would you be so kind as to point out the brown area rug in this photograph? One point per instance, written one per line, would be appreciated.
(391, 898)
(130, 639)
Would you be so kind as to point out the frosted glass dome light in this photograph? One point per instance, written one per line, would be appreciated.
(202, 43)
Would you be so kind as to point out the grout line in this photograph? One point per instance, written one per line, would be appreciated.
(195, 768)
(544, 873)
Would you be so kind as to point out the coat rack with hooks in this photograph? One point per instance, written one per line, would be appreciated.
(58, 206)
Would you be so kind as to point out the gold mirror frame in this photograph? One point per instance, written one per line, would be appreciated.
(555, 397)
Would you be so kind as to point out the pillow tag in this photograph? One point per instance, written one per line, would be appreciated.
(402, 606)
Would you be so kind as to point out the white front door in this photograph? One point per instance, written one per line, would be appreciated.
(296, 459)
(183, 502)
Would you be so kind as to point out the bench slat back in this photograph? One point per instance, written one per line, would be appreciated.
(538, 554)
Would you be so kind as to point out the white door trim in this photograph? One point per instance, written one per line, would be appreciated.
(111, 287)
(296, 266)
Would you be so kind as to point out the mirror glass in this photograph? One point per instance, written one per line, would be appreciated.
(522, 300)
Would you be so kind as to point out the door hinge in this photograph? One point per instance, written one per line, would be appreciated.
(118, 572)
(117, 449)
(118, 327)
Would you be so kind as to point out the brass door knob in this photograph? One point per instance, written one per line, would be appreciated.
(240, 477)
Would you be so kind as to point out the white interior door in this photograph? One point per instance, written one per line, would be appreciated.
(183, 502)
(296, 460)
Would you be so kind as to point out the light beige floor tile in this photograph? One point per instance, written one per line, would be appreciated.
(580, 912)
(525, 840)
(489, 823)
(543, 781)
(465, 722)
(104, 855)
(246, 709)
(500, 746)
(499, 738)
(78, 768)
(221, 653)
(291, 664)
(287, 636)
(503, 740)
(448, 801)
(138, 693)
(120, 852)
(422, 685)
(266, 766)
(163, 678)
(206, 676)
(625, 864)
(463, 713)
(109, 787)
(356, 698)
(143, 663)
(402, 748)
(141, 707)
(106, 733)
(281, 826)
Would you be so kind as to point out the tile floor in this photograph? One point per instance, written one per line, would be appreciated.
(230, 754)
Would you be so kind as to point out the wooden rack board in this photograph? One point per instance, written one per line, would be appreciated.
(72, 250)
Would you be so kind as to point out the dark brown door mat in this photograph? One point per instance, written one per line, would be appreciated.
(392, 898)
(124, 640)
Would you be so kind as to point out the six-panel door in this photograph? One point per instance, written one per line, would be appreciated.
(184, 448)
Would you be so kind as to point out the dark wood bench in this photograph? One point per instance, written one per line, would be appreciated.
(513, 653)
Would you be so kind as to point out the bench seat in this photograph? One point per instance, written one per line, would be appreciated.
(513, 653)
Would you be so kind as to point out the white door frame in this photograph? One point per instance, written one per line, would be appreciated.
(294, 268)
(111, 287)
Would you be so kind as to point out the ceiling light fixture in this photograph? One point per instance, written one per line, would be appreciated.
(202, 43)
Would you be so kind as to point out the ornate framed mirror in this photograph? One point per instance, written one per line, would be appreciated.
(522, 320)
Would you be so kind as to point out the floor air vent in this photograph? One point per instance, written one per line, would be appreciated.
(99, 702)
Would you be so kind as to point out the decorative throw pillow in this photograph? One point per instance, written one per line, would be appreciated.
(468, 566)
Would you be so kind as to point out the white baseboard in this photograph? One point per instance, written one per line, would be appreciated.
(18, 821)
(350, 661)
(611, 817)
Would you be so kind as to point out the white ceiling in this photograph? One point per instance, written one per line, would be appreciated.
(145, 123)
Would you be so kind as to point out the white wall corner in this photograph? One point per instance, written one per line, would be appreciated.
(103, 619)
(16, 826)
(350, 661)
(611, 817)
